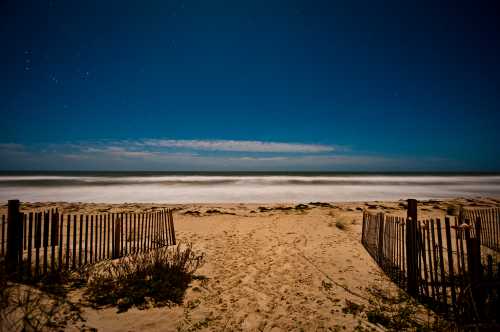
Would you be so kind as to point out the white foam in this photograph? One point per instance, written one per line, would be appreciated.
(258, 189)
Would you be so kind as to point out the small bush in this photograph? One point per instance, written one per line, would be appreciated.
(453, 210)
(341, 224)
(352, 308)
(160, 276)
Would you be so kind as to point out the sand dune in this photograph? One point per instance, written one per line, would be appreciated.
(287, 268)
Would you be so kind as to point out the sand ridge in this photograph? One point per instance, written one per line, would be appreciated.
(275, 267)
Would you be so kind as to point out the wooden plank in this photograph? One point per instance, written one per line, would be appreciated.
(462, 252)
(172, 227)
(96, 238)
(117, 237)
(150, 219)
(165, 228)
(171, 239)
(434, 258)
(60, 242)
(46, 222)
(411, 245)
(451, 272)
(30, 242)
(135, 232)
(86, 240)
(38, 242)
(145, 234)
(424, 258)
(444, 297)
(68, 234)
(100, 237)
(113, 233)
(22, 232)
(91, 238)
(457, 247)
(497, 230)
(129, 233)
(155, 230)
(105, 236)
(110, 234)
(103, 243)
(141, 231)
(80, 243)
(53, 226)
(398, 246)
(125, 232)
(144, 230)
(3, 235)
(74, 241)
(25, 235)
(164, 233)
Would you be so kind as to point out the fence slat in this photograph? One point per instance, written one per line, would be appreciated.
(172, 229)
(80, 244)
(450, 264)
(68, 233)
(100, 237)
(46, 222)
(30, 242)
(60, 242)
(441, 265)
(3, 235)
(135, 232)
(74, 241)
(424, 260)
(38, 242)
(91, 239)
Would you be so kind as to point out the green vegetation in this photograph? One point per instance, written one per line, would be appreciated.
(157, 278)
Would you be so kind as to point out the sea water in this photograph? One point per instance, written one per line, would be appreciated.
(168, 187)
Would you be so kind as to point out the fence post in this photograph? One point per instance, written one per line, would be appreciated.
(475, 268)
(380, 247)
(411, 247)
(14, 235)
(117, 238)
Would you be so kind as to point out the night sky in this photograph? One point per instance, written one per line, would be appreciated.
(250, 85)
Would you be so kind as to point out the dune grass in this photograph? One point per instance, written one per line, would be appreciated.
(158, 277)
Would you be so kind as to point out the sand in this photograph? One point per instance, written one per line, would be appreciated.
(283, 269)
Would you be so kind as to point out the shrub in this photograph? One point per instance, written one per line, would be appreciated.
(160, 276)
(341, 223)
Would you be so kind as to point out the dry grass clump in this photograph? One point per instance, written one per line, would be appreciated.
(159, 277)
(341, 223)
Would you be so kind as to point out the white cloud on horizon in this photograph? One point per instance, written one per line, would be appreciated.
(170, 155)
(238, 146)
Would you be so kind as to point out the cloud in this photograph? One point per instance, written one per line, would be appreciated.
(203, 155)
(238, 146)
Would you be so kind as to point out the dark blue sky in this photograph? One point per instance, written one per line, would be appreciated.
(374, 85)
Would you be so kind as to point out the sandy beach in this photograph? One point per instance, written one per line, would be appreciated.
(269, 267)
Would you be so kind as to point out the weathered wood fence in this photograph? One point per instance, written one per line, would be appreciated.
(490, 224)
(36, 244)
(443, 263)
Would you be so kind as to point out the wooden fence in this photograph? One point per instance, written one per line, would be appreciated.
(490, 224)
(443, 263)
(38, 243)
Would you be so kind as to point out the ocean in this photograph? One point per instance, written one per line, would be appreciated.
(238, 187)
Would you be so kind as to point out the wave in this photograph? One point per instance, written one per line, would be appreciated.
(242, 188)
(286, 179)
